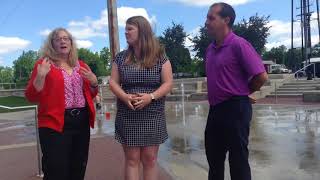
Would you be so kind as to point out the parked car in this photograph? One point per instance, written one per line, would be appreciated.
(278, 69)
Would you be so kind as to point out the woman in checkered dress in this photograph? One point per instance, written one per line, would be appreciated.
(141, 77)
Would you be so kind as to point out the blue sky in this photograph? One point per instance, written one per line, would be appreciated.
(24, 24)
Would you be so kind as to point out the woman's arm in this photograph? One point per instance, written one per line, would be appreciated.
(37, 80)
(166, 86)
(115, 87)
(167, 81)
(90, 77)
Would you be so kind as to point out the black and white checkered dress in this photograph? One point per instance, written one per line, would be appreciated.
(144, 127)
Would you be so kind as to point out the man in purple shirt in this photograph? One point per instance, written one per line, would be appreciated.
(234, 71)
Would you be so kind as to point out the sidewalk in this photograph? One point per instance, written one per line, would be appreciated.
(106, 161)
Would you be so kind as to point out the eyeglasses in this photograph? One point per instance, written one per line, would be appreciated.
(65, 38)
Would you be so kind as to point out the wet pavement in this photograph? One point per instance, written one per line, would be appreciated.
(284, 140)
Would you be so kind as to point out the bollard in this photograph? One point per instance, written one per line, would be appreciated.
(108, 116)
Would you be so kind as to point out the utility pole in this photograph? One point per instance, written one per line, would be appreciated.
(113, 27)
(305, 30)
(302, 34)
(292, 21)
(318, 18)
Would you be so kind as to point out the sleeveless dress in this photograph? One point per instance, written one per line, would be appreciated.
(145, 127)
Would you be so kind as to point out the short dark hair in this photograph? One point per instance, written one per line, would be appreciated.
(226, 11)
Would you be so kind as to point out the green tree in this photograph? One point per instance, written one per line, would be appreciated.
(6, 74)
(277, 54)
(201, 43)
(173, 40)
(295, 61)
(197, 67)
(93, 60)
(255, 30)
(315, 50)
(105, 57)
(23, 66)
(282, 55)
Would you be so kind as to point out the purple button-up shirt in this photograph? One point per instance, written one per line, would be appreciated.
(230, 68)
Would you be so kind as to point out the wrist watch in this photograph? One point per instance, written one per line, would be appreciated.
(152, 97)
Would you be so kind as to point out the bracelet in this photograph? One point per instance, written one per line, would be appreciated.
(152, 97)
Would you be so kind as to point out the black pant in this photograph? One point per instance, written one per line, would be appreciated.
(65, 154)
(227, 130)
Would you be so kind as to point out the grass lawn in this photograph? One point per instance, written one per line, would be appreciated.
(13, 101)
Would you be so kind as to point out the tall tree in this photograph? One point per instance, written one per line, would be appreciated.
(106, 59)
(282, 55)
(255, 30)
(93, 60)
(23, 66)
(315, 50)
(6, 74)
(277, 54)
(201, 42)
(173, 39)
(294, 63)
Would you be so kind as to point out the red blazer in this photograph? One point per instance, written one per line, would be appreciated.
(51, 100)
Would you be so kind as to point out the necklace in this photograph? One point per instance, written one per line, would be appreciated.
(135, 60)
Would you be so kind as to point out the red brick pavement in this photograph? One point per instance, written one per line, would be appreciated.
(286, 101)
(106, 162)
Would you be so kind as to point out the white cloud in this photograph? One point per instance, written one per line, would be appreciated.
(188, 43)
(89, 28)
(85, 33)
(86, 28)
(126, 12)
(45, 32)
(84, 44)
(210, 2)
(287, 42)
(11, 44)
(1, 61)
(80, 43)
(280, 33)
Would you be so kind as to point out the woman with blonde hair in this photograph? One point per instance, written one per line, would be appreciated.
(141, 77)
(64, 88)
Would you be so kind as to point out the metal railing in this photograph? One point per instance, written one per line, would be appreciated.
(294, 75)
(10, 85)
(304, 68)
(35, 107)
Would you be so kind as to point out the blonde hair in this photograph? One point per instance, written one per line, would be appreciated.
(47, 49)
(150, 49)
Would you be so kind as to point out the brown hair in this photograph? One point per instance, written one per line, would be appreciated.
(150, 49)
(226, 11)
(47, 49)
